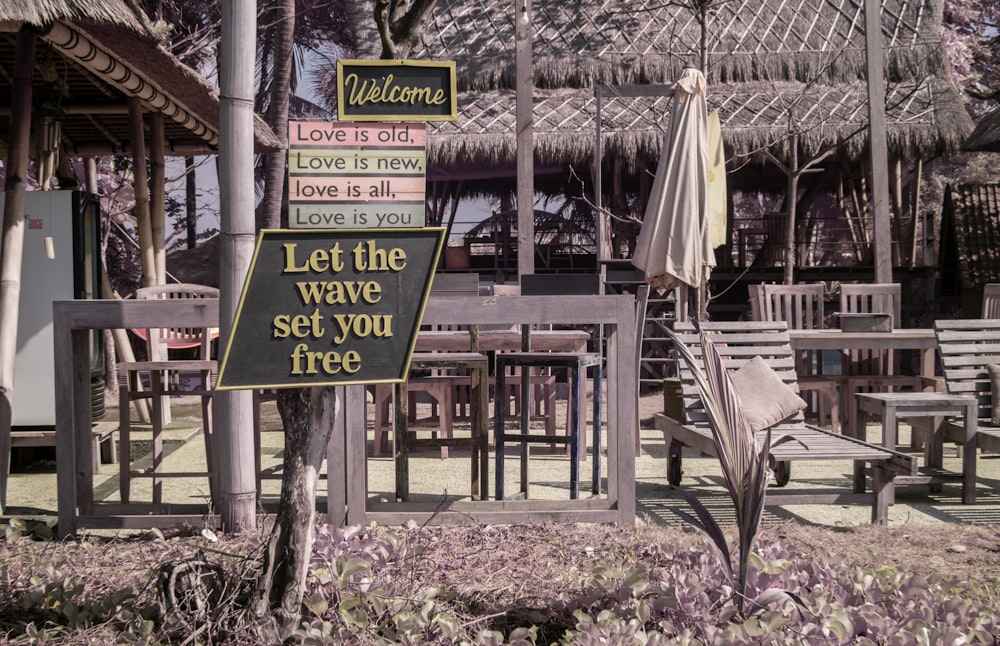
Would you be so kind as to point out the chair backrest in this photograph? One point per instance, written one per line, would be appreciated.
(159, 341)
(871, 298)
(756, 294)
(737, 342)
(991, 301)
(800, 306)
(967, 347)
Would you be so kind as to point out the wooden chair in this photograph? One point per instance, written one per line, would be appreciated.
(526, 364)
(802, 308)
(968, 347)
(168, 377)
(742, 342)
(438, 383)
(991, 301)
(873, 370)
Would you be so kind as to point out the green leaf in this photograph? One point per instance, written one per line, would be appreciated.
(316, 603)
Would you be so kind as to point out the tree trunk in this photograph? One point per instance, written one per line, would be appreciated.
(140, 187)
(308, 416)
(157, 194)
(277, 112)
(12, 244)
(190, 206)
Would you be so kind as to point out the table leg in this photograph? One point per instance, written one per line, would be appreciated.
(856, 431)
(401, 449)
(969, 455)
(890, 427)
(575, 407)
(596, 475)
(934, 451)
(498, 431)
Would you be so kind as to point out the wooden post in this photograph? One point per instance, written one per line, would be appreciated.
(234, 409)
(140, 187)
(525, 141)
(877, 143)
(157, 195)
(12, 245)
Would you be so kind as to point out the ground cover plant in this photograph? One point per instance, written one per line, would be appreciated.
(534, 584)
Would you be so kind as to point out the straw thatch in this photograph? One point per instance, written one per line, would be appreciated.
(986, 136)
(41, 13)
(971, 218)
(89, 104)
(774, 67)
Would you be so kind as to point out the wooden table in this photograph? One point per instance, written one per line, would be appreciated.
(893, 406)
(502, 340)
(919, 339)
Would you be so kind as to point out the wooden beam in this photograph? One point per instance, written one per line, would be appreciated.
(525, 141)
(877, 143)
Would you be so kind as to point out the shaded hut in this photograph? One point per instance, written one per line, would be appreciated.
(783, 75)
(98, 83)
(92, 56)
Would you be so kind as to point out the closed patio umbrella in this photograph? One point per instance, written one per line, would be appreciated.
(674, 246)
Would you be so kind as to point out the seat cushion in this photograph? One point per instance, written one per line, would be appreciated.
(994, 369)
(766, 399)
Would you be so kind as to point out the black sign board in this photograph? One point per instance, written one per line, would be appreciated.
(323, 308)
(376, 90)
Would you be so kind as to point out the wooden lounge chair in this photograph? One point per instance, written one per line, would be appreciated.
(738, 342)
(968, 347)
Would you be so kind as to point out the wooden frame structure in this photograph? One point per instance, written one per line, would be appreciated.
(617, 316)
(346, 451)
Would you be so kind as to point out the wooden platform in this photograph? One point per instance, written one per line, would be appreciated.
(104, 448)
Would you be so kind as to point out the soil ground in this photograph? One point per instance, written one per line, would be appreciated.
(927, 532)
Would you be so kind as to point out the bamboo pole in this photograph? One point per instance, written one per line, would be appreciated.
(140, 187)
(234, 409)
(12, 244)
(157, 194)
(525, 141)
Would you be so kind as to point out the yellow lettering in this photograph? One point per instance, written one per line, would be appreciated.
(310, 362)
(397, 259)
(281, 328)
(290, 266)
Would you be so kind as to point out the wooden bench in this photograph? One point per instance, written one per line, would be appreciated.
(967, 347)
(103, 441)
(738, 342)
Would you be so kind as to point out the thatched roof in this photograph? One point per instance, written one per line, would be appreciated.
(91, 56)
(986, 136)
(972, 215)
(769, 64)
(41, 13)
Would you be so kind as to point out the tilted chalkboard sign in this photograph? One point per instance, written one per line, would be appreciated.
(324, 308)
(376, 90)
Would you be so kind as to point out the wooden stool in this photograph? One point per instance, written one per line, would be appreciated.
(576, 364)
(478, 366)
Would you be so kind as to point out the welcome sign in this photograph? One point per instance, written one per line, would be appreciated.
(324, 308)
(376, 90)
